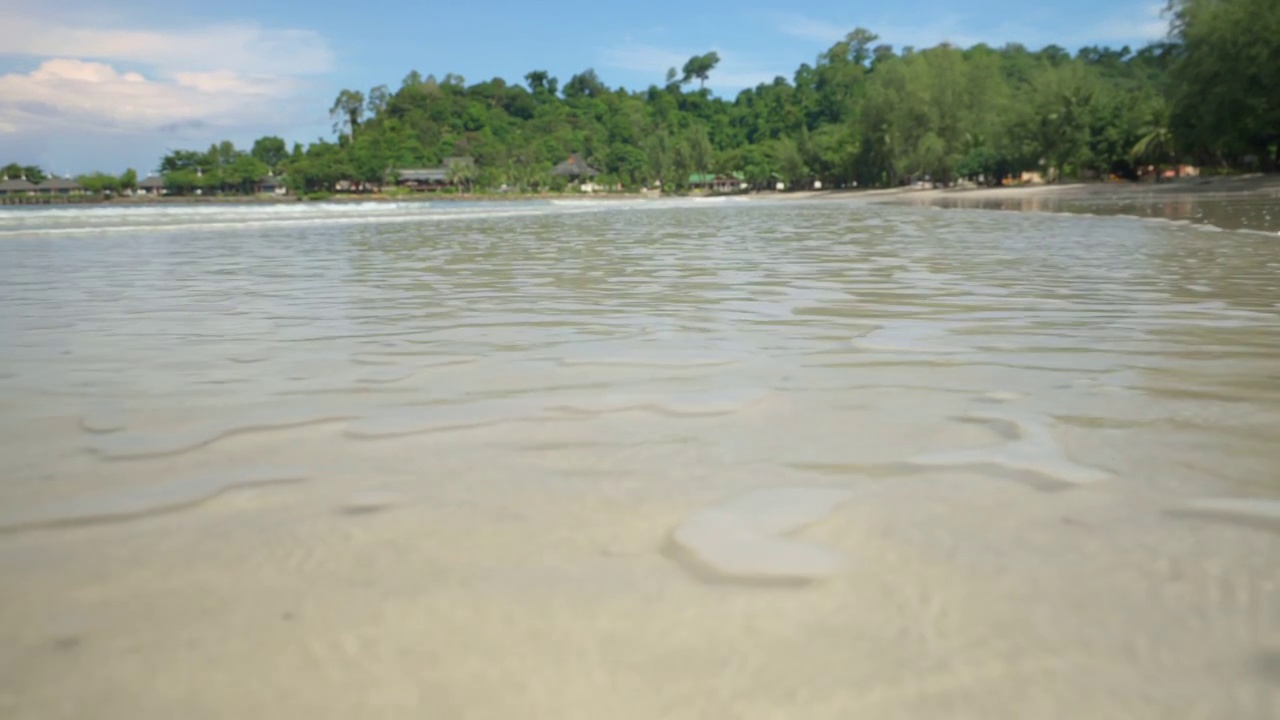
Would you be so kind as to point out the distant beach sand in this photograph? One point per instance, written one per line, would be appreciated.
(1256, 185)
(1248, 202)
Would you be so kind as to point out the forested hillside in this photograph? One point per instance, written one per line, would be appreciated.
(863, 112)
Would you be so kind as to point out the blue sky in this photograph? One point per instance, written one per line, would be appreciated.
(87, 85)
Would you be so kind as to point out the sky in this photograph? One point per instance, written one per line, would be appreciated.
(90, 85)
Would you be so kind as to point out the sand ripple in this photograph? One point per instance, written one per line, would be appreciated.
(147, 501)
(744, 540)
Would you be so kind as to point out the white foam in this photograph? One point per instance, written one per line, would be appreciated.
(217, 216)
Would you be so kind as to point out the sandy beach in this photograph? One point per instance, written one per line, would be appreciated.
(685, 459)
(1243, 202)
(1256, 185)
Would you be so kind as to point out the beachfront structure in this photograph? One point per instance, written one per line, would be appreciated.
(718, 182)
(575, 168)
(578, 172)
(434, 178)
(272, 185)
(152, 185)
(59, 186)
(421, 179)
(17, 187)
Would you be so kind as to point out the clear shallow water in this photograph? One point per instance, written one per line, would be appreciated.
(1211, 211)
(686, 459)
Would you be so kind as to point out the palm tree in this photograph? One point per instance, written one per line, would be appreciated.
(1157, 143)
(460, 172)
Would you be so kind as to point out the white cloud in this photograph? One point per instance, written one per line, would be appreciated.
(78, 95)
(238, 47)
(732, 73)
(190, 85)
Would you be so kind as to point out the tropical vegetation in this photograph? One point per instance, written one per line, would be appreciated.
(864, 113)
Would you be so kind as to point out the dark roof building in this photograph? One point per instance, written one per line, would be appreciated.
(575, 167)
(152, 182)
(16, 186)
(59, 185)
(270, 182)
(423, 175)
(718, 182)
(433, 178)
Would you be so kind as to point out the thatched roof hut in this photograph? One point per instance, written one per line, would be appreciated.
(15, 186)
(59, 185)
(575, 167)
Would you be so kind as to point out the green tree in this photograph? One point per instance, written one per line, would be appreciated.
(99, 183)
(182, 181)
(379, 96)
(1156, 142)
(244, 173)
(1224, 82)
(460, 174)
(270, 151)
(861, 113)
(700, 66)
(31, 172)
(347, 111)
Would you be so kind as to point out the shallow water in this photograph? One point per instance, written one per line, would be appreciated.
(663, 459)
(1187, 204)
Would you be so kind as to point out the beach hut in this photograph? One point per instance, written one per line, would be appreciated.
(718, 183)
(153, 185)
(578, 172)
(436, 178)
(16, 186)
(59, 186)
(272, 185)
(422, 178)
(575, 168)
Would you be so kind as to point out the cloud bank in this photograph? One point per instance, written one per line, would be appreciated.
(96, 81)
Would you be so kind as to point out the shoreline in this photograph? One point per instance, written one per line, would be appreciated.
(1246, 202)
(1237, 202)
(1256, 185)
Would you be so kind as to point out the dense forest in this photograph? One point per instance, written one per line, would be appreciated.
(863, 113)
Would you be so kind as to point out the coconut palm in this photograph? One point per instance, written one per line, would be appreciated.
(1156, 144)
(460, 173)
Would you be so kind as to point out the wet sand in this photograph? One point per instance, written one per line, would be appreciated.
(512, 588)
(704, 460)
(1247, 202)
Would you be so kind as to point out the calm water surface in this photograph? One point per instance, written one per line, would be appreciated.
(655, 460)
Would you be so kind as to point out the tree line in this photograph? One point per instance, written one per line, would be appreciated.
(863, 113)
(95, 182)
